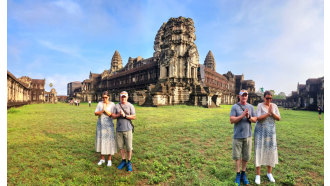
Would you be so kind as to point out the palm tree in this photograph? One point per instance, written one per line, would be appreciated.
(50, 85)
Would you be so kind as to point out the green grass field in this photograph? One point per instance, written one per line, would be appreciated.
(53, 144)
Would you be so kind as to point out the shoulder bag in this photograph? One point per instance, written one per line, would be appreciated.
(130, 121)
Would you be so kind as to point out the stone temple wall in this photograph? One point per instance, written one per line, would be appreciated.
(171, 76)
(18, 93)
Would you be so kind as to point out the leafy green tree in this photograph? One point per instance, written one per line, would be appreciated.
(272, 91)
(282, 94)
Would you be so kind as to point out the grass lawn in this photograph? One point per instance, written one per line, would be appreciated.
(173, 145)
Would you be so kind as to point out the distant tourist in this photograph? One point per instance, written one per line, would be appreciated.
(125, 112)
(265, 145)
(242, 114)
(89, 103)
(105, 131)
(320, 112)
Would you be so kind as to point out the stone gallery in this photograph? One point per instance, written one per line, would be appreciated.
(24, 90)
(172, 76)
(307, 97)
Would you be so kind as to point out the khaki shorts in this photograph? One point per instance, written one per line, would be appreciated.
(242, 148)
(125, 138)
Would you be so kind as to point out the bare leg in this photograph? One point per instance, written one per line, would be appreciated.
(238, 165)
(244, 163)
(109, 157)
(258, 171)
(129, 154)
(122, 152)
(102, 157)
(269, 169)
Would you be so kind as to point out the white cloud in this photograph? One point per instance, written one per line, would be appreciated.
(60, 82)
(69, 6)
(297, 53)
(69, 50)
(277, 43)
(58, 16)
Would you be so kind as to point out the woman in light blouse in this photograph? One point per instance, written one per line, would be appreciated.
(105, 132)
(265, 145)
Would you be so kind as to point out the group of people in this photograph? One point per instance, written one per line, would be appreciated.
(76, 102)
(242, 114)
(107, 139)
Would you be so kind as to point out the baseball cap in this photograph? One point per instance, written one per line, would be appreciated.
(123, 93)
(243, 92)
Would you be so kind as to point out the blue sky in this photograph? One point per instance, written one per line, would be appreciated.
(277, 43)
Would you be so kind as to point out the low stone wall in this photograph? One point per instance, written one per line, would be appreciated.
(17, 104)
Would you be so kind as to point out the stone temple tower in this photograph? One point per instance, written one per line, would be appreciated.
(178, 58)
(209, 61)
(177, 52)
(116, 62)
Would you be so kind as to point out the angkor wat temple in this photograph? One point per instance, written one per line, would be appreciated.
(307, 97)
(24, 90)
(171, 76)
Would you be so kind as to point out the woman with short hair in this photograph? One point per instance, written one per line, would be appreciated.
(265, 145)
(105, 131)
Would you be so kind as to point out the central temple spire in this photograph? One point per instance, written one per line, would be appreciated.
(209, 61)
(176, 50)
(116, 62)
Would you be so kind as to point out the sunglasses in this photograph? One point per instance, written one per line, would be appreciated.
(269, 98)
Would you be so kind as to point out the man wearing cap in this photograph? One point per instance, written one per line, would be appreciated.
(241, 115)
(124, 112)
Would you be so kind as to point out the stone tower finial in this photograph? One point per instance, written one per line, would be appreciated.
(209, 61)
(116, 62)
(176, 49)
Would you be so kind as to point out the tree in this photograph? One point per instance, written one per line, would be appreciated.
(282, 94)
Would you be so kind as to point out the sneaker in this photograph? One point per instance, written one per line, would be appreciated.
(244, 179)
(122, 164)
(238, 179)
(101, 162)
(109, 163)
(271, 178)
(257, 179)
(129, 166)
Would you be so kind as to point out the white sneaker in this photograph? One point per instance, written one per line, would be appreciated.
(271, 178)
(109, 163)
(101, 162)
(257, 179)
